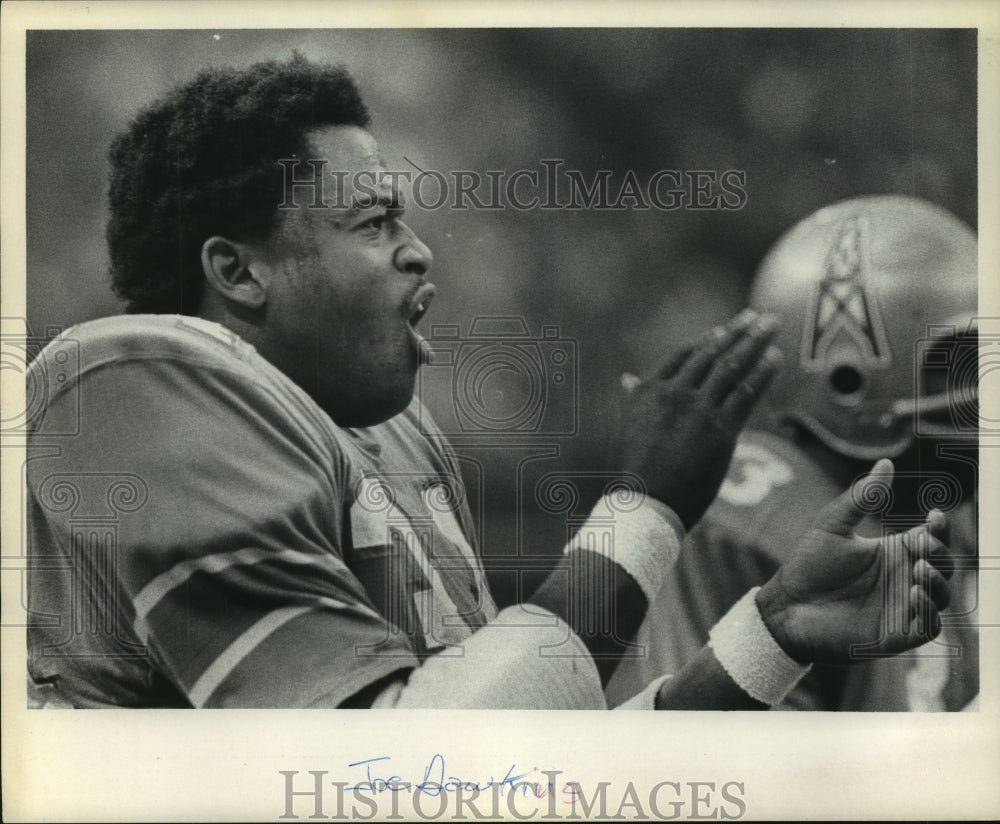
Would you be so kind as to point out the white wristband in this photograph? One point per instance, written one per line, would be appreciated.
(641, 535)
(748, 652)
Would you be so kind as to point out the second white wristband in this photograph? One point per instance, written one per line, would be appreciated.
(644, 540)
(749, 654)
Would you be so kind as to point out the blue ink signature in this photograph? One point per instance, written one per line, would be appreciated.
(435, 780)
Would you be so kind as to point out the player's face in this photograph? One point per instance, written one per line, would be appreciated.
(351, 286)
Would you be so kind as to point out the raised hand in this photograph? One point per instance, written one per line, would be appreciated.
(843, 598)
(681, 424)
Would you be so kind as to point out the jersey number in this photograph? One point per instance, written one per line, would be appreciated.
(754, 472)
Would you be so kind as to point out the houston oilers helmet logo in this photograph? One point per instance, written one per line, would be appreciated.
(843, 323)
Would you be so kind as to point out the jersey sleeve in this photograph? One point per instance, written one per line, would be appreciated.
(224, 573)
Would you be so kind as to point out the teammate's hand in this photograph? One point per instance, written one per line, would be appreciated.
(681, 424)
(842, 598)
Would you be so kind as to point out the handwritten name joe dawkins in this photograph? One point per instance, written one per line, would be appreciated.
(372, 786)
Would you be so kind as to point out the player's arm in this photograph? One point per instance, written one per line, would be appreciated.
(681, 428)
(827, 598)
(837, 596)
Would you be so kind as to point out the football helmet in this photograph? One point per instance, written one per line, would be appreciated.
(877, 296)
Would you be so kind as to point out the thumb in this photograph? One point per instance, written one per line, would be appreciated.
(866, 495)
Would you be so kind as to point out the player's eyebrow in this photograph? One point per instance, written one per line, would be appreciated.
(393, 202)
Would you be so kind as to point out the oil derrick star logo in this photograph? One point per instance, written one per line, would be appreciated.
(844, 324)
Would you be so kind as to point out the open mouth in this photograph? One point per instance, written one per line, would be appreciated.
(420, 303)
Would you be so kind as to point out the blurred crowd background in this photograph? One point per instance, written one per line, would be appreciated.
(810, 116)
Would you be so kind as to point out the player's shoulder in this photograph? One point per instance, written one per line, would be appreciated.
(198, 366)
(177, 384)
(121, 338)
(162, 344)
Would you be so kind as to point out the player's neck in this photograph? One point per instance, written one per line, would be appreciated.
(245, 323)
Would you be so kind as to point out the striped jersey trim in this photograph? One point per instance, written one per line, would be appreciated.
(244, 646)
(162, 585)
(216, 673)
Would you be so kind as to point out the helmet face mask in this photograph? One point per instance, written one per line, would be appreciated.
(867, 290)
(946, 402)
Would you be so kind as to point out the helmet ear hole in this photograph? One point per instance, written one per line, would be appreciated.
(846, 379)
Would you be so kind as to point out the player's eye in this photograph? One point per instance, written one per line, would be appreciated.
(383, 222)
(375, 225)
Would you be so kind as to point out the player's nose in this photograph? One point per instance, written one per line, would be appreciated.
(413, 255)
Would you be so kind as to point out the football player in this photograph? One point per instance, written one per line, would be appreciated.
(231, 503)
(877, 301)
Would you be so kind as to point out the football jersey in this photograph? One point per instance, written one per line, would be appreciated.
(202, 534)
(771, 496)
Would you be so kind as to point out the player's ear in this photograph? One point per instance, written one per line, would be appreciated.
(229, 270)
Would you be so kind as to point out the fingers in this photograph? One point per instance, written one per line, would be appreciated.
(676, 360)
(933, 583)
(711, 340)
(939, 527)
(938, 553)
(730, 365)
(745, 395)
(722, 359)
(843, 515)
(925, 584)
(720, 341)
(923, 543)
(923, 614)
(743, 356)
